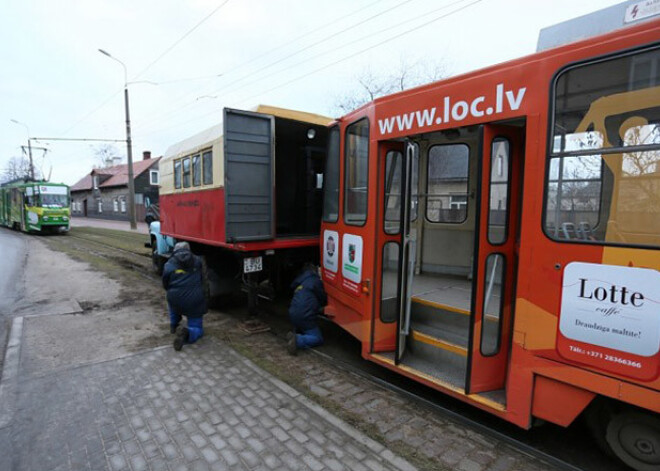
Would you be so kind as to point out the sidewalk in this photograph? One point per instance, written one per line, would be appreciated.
(142, 227)
(205, 407)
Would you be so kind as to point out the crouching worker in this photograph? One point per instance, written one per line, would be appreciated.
(183, 278)
(306, 304)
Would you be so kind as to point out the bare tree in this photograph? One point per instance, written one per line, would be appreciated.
(17, 167)
(105, 152)
(371, 85)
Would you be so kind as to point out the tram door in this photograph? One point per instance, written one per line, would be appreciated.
(398, 177)
(408, 245)
(494, 270)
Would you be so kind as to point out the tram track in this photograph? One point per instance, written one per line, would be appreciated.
(111, 246)
(446, 412)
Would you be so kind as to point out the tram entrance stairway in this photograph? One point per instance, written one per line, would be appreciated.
(437, 343)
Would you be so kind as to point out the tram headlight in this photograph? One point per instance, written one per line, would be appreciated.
(65, 218)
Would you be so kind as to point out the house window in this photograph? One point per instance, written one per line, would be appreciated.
(207, 163)
(123, 205)
(154, 177)
(100, 206)
(197, 169)
(115, 205)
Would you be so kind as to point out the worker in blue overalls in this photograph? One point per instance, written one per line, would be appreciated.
(184, 280)
(308, 299)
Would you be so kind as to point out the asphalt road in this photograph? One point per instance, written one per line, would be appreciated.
(13, 254)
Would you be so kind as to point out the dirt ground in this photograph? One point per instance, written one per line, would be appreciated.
(120, 308)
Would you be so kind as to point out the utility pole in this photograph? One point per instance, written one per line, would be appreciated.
(129, 146)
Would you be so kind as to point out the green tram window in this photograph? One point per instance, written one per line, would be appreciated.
(603, 178)
(356, 176)
(331, 178)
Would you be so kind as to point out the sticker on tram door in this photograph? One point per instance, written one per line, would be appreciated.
(610, 318)
(330, 254)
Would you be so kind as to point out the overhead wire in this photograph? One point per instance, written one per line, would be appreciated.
(178, 41)
(163, 54)
(165, 115)
(343, 59)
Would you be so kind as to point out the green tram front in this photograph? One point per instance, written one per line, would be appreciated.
(35, 206)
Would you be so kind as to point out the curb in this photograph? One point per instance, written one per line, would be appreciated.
(10, 373)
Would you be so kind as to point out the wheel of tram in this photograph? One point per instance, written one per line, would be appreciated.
(635, 439)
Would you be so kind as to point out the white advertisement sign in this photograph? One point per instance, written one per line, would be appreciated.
(640, 10)
(612, 306)
(53, 190)
(351, 268)
(330, 250)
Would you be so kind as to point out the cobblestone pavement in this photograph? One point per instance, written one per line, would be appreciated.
(203, 408)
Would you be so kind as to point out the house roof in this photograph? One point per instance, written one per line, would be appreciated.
(118, 175)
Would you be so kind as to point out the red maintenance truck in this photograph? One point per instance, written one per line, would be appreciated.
(247, 196)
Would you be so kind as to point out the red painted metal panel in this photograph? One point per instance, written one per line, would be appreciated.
(199, 216)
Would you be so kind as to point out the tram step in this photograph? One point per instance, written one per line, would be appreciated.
(442, 335)
(448, 365)
(445, 355)
(436, 314)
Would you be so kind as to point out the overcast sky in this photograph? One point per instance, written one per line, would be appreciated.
(207, 54)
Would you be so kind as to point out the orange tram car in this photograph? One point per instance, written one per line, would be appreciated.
(495, 236)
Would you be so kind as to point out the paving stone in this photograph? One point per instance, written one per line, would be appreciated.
(202, 408)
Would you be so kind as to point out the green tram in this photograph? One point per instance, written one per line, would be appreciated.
(35, 206)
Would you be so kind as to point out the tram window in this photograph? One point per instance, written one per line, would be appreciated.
(331, 178)
(603, 178)
(389, 292)
(356, 176)
(197, 170)
(491, 324)
(392, 204)
(392, 220)
(177, 173)
(499, 191)
(207, 164)
(186, 172)
(447, 185)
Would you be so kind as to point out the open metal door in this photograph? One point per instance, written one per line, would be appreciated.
(494, 272)
(408, 248)
(249, 155)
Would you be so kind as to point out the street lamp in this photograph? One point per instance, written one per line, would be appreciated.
(129, 146)
(29, 146)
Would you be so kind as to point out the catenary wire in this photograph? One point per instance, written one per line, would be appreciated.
(295, 79)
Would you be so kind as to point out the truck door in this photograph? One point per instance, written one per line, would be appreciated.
(249, 158)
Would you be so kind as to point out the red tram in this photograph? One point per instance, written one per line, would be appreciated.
(496, 236)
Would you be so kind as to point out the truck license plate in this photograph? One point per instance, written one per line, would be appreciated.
(252, 264)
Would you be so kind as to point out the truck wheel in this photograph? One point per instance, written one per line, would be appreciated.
(635, 438)
(156, 260)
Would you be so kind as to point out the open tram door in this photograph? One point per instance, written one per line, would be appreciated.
(409, 172)
(396, 244)
(495, 260)
(446, 239)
